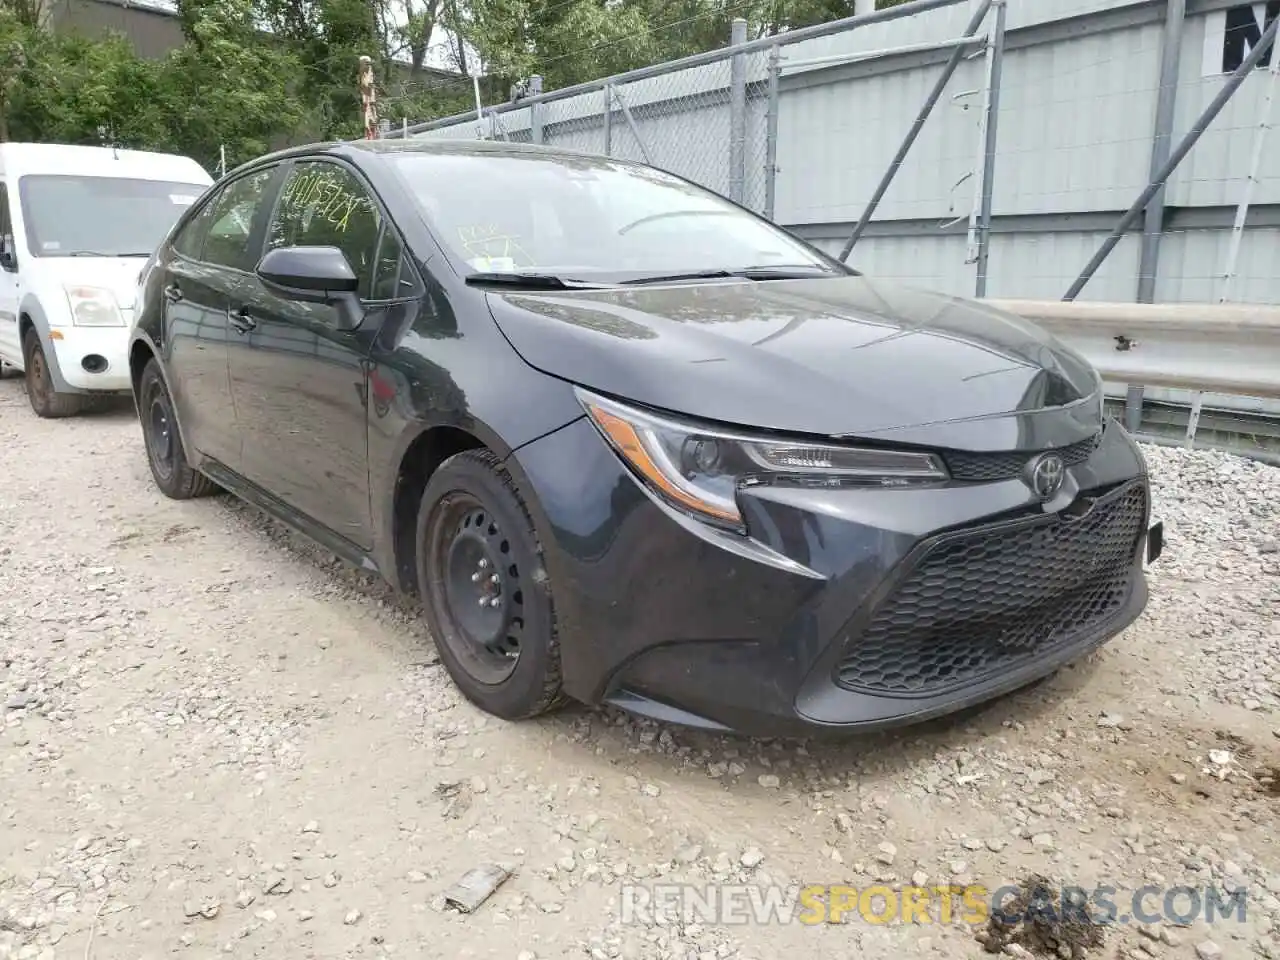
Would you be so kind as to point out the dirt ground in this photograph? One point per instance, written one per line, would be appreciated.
(216, 740)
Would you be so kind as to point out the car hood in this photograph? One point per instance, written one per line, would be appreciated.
(831, 356)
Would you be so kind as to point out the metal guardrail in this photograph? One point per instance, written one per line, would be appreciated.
(1203, 347)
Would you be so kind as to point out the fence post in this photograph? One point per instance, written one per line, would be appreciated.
(737, 112)
(771, 132)
(608, 119)
(535, 109)
(1198, 128)
(1166, 101)
(996, 42)
(1153, 224)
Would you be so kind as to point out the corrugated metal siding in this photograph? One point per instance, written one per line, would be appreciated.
(1077, 111)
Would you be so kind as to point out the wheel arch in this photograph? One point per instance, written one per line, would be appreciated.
(425, 451)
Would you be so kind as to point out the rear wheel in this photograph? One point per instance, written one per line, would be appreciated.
(487, 598)
(173, 474)
(45, 400)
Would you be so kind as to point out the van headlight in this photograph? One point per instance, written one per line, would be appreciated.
(699, 469)
(94, 307)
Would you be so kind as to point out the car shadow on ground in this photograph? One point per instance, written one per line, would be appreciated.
(660, 750)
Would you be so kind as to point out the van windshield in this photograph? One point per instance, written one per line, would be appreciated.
(70, 216)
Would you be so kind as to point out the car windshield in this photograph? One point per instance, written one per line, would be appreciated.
(588, 217)
(69, 216)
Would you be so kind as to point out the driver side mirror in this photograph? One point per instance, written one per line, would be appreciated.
(8, 256)
(314, 275)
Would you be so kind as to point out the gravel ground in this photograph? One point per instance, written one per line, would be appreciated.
(215, 739)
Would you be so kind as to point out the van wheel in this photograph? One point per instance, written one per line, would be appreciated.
(170, 469)
(487, 599)
(45, 400)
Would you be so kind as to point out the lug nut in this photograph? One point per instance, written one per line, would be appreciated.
(475, 578)
(495, 579)
(483, 564)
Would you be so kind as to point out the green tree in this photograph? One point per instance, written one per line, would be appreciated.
(228, 86)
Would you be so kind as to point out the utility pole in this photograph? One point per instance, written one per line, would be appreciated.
(368, 99)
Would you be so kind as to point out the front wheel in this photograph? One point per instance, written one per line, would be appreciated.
(167, 457)
(45, 400)
(487, 598)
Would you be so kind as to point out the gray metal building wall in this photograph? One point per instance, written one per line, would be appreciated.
(1075, 124)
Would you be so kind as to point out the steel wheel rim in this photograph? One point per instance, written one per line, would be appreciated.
(477, 587)
(36, 381)
(161, 442)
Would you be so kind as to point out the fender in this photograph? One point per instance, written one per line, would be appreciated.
(30, 309)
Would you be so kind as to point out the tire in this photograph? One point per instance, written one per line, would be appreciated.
(45, 400)
(505, 658)
(166, 456)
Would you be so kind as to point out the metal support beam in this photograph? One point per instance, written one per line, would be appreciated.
(995, 47)
(1184, 147)
(737, 112)
(535, 109)
(1166, 101)
(1154, 222)
(631, 123)
(771, 132)
(948, 72)
(608, 120)
(1255, 163)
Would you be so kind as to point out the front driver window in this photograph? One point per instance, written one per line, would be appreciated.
(322, 205)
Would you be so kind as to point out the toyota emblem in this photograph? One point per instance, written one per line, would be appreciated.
(1046, 474)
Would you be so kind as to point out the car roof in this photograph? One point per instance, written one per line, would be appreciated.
(436, 146)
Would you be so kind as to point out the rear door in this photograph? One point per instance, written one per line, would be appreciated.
(212, 262)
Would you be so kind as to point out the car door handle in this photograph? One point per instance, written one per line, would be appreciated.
(173, 293)
(240, 320)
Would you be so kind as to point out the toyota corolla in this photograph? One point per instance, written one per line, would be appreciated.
(632, 444)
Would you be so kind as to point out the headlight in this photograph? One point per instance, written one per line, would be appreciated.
(699, 469)
(94, 307)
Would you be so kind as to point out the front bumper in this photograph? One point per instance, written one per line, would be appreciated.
(107, 347)
(846, 610)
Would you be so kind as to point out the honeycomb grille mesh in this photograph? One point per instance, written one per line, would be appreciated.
(992, 600)
(987, 467)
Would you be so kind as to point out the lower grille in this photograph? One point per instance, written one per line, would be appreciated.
(986, 601)
(987, 467)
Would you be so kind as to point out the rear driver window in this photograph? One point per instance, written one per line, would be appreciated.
(229, 223)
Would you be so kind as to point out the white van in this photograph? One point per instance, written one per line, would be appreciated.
(76, 226)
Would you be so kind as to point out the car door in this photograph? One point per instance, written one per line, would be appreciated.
(212, 262)
(10, 295)
(298, 382)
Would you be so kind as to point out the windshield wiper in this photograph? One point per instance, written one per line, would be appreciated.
(532, 281)
(99, 253)
(765, 272)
